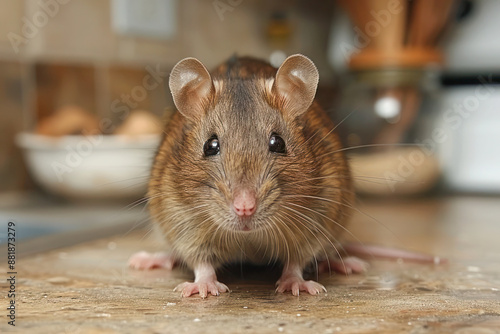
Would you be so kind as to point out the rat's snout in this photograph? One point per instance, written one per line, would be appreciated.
(244, 202)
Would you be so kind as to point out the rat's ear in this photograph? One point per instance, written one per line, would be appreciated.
(296, 83)
(190, 84)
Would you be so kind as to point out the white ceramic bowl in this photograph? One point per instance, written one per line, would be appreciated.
(90, 167)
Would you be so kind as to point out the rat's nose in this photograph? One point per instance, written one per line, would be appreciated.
(244, 203)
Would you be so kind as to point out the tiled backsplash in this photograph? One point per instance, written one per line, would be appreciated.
(59, 85)
(75, 58)
(130, 88)
(12, 170)
(30, 92)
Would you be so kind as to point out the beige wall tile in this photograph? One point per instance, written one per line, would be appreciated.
(77, 30)
(11, 13)
(59, 85)
(13, 174)
(82, 30)
(213, 40)
(136, 88)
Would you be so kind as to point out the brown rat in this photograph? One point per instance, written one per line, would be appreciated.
(250, 170)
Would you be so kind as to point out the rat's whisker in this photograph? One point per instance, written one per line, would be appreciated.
(335, 127)
(284, 239)
(302, 145)
(363, 178)
(294, 220)
(353, 208)
(318, 226)
(371, 145)
(292, 236)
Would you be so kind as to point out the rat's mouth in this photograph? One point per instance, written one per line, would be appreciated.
(244, 224)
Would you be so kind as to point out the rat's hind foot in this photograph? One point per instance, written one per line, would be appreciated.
(348, 265)
(144, 260)
(291, 280)
(297, 284)
(215, 288)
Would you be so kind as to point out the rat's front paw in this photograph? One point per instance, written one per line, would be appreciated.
(144, 260)
(297, 284)
(215, 288)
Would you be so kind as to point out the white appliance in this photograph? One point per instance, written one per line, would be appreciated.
(470, 148)
(470, 113)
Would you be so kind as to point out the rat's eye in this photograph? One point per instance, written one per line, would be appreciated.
(211, 146)
(276, 144)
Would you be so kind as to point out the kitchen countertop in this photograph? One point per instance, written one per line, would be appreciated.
(44, 222)
(87, 288)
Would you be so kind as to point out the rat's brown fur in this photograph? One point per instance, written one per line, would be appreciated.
(303, 196)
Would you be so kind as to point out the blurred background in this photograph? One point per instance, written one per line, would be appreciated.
(414, 85)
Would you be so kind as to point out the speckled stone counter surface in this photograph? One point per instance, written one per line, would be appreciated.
(89, 289)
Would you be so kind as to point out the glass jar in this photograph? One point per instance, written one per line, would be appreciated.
(382, 116)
